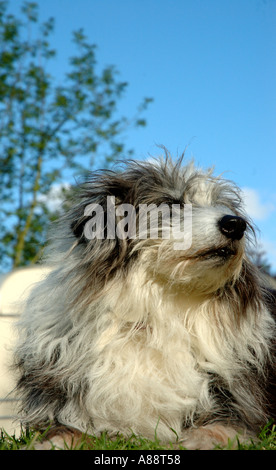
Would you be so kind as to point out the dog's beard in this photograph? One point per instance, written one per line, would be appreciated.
(202, 271)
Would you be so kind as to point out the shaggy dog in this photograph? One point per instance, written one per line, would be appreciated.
(136, 333)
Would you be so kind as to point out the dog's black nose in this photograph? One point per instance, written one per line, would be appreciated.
(232, 226)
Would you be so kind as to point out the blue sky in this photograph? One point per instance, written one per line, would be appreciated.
(210, 66)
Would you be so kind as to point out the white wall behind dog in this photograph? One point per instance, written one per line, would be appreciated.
(14, 288)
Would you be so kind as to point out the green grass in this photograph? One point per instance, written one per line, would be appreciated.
(27, 439)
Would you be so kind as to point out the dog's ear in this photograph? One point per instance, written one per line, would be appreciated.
(93, 222)
(100, 197)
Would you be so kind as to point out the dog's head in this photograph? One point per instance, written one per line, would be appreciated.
(184, 225)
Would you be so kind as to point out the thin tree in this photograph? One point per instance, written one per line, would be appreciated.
(46, 129)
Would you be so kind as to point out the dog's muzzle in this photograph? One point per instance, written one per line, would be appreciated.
(232, 226)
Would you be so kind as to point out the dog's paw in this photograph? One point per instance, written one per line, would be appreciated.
(55, 443)
(210, 436)
(61, 438)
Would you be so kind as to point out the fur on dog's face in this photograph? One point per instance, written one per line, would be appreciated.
(218, 224)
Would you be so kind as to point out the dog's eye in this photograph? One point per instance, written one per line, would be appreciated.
(177, 201)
